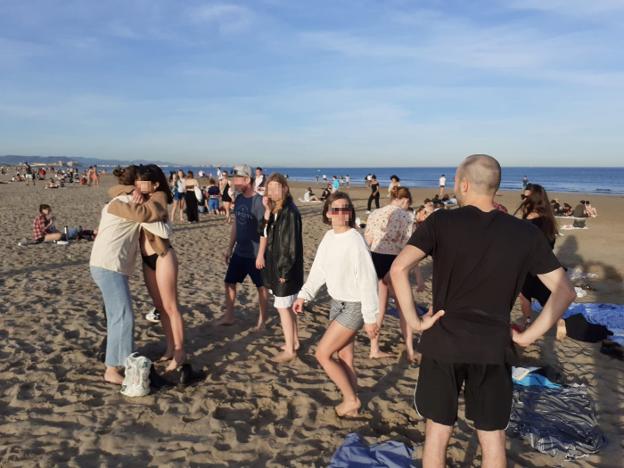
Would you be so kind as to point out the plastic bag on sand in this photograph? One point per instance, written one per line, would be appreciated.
(136, 383)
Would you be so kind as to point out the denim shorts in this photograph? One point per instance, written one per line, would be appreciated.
(347, 314)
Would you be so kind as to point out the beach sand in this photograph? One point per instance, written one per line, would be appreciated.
(55, 409)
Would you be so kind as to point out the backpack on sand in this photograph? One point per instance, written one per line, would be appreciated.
(136, 383)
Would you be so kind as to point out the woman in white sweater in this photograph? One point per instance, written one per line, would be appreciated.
(344, 264)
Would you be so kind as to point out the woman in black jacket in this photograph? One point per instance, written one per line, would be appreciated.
(280, 257)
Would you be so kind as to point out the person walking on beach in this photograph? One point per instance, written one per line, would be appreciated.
(280, 258)
(374, 186)
(480, 259)
(242, 250)
(177, 189)
(387, 231)
(344, 264)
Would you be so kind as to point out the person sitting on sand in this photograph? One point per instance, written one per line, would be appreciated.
(52, 184)
(309, 196)
(326, 192)
(280, 258)
(591, 211)
(44, 228)
(480, 258)
(160, 263)
(242, 250)
(343, 263)
(387, 231)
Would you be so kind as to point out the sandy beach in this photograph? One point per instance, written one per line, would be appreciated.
(55, 409)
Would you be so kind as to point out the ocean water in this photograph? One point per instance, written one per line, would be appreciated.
(609, 181)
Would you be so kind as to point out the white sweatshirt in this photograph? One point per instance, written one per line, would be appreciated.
(343, 262)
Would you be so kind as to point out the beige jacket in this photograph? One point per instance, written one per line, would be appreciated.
(155, 209)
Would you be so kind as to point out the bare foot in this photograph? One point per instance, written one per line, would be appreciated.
(561, 330)
(261, 326)
(379, 355)
(348, 408)
(412, 357)
(112, 375)
(283, 346)
(178, 359)
(284, 357)
(226, 320)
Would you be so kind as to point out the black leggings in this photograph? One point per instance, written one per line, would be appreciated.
(192, 213)
(371, 198)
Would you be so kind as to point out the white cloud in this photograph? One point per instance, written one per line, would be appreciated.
(580, 8)
(228, 18)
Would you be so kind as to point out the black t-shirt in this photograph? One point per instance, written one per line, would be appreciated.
(480, 261)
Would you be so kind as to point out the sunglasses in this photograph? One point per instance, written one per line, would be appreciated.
(346, 209)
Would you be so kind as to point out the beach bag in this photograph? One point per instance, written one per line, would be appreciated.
(136, 383)
(198, 194)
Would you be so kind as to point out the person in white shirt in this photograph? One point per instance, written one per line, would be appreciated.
(259, 182)
(344, 264)
(442, 183)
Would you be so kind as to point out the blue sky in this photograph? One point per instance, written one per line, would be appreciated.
(299, 83)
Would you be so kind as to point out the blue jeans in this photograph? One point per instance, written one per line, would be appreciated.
(213, 204)
(119, 315)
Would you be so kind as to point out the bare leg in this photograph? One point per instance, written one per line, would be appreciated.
(562, 332)
(375, 352)
(230, 296)
(335, 338)
(493, 449)
(345, 359)
(167, 279)
(263, 300)
(289, 327)
(151, 283)
(436, 440)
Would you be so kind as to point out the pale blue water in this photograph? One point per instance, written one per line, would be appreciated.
(555, 179)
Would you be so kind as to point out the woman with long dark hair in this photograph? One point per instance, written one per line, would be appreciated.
(280, 258)
(536, 209)
(192, 208)
(160, 263)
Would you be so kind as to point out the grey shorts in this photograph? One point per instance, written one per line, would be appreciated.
(347, 314)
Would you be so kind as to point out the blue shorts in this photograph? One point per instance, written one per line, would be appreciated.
(213, 204)
(239, 268)
(178, 196)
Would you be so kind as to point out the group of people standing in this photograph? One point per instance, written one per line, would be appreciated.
(481, 257)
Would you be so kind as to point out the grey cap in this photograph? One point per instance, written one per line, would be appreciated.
(241, 170)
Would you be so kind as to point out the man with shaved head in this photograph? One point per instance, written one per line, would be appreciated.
(481, 257)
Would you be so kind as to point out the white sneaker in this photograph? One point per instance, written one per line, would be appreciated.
(153, 316)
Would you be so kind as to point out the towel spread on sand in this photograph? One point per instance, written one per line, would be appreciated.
(556, 421)
(610, 316)
(356, 453)
(527, 376)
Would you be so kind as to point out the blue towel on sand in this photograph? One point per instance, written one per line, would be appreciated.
(536, 380)
(607, 315)
(356, 453)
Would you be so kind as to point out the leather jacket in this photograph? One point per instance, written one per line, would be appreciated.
(284, 252)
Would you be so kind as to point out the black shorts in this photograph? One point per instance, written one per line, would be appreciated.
(239, 268)
(487, 393)
(382, 263)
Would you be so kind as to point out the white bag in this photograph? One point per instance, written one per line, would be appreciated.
(198, 194)
(136, 383)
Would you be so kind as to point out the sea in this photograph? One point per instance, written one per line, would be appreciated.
(603, 180)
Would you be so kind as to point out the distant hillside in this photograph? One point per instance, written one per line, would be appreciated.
(10, 160)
